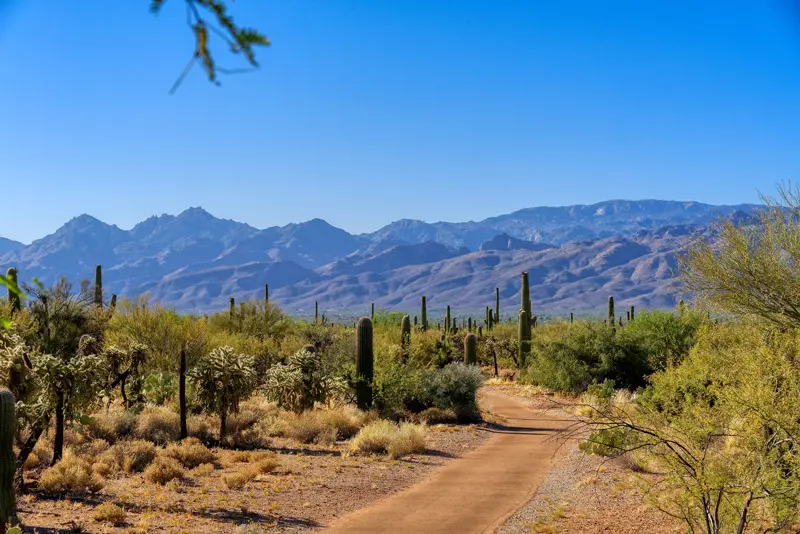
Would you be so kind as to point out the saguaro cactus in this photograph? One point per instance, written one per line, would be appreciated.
(571, 317)
(113, 304)
(633, 316)
(233, 308)
(8, 505)
(316, 312)
(497, 304)
(469, 324)
(491, 319)
(523, 338)
(364, 363)
(266, 294)
(611, 311)
(470, 349)
(182, 395)
(423, 313)
(13, 298)
(98, 286)
(525, 295)
(405, 334)
(447, 320)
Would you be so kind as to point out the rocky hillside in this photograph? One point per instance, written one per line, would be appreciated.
(576, 257)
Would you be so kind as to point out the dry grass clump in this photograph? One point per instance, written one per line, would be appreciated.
(239, 479)
(202, 427)
(138, 454)
(109, 462)
(71, 475)
(386, 437)
(32, 461)
(203, 470)
(190, 453)
(437, 416)
(110, 513)
(163, 470)
(267, 465)
(158, 424)
(326, 425)
(248, 439)
(111, 426)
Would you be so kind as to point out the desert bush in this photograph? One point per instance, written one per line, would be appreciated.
(163, 470)
(158, 424)
(203, 470)
(224, 379)
(301, 382)
(437, 416)
(138, 454)
(390, 438)
(111, 426)
(108, 512)
(190, 453)
(239, 479)
(664, 337)
(456, 387)
(70, 475)
(160, 387)
(267, 465)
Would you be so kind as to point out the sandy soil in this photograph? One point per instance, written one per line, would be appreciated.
(312, 486)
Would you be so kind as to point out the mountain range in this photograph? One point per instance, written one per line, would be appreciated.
(576, 257)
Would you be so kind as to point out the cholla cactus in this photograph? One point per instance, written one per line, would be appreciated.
(224, 378)
(301, 381)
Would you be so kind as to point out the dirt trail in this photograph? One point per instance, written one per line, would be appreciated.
(477, 492)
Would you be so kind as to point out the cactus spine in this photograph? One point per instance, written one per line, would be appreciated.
(523, 338)
(98, 286)
(405, 335)
(423, 314)
(470, 349)
(525, 295)
(8, 504)
(364, 363)
(13, 297)
(497, 305)
(611, 311)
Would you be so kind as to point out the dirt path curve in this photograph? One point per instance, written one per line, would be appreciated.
(477, 492)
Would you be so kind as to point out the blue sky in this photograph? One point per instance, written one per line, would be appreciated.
(368, 111)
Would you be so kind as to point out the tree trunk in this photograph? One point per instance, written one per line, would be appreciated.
(223, 420)
(58, 440)
(25, 450)
(182, 395)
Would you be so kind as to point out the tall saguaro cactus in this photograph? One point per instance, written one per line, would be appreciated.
(633, 316)
(405, 335)
(182, 395)
(316, 312)
(113, 304)
(497, 305)
(266, 294)
(98, 286)
(8, 503)
(232, 308)
(523, 338)
(525, 295)
(611, 311)
(364, 363)
(423, 314)
(13, 297)
(447, 320)
(470, 349)
(491, 319)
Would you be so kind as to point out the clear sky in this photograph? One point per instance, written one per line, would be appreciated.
(368, 111)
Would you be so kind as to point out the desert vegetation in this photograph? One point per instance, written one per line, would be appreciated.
(703, 398)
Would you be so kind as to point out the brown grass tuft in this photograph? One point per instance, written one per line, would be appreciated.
(238, 480)
(158, 424)
(71, 475)
(190, 453)
(110, 513)
(386, 437)
(163, 469)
